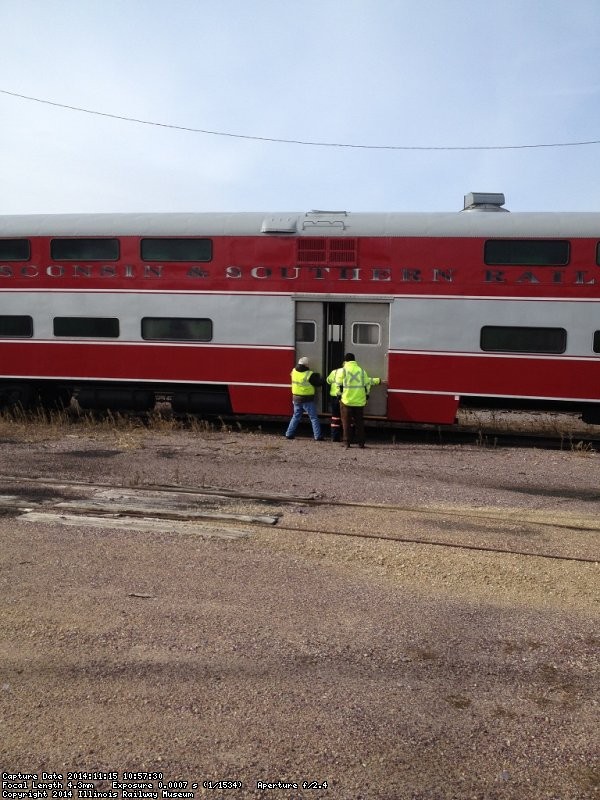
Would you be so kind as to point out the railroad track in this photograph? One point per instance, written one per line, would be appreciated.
(212, 511)
(542, 430)
(551, 432)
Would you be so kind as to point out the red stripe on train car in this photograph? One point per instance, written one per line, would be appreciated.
(504, 376)
(145, 362)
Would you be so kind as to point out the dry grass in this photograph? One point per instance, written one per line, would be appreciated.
(41, 425)
(569, 429)
(128, 429)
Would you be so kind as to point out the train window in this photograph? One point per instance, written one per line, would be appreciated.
(598, 253)
(16, 326)
(527, 252)
(89, 327)
(177, 329)
(176, 249)
(596, 341)
(84, 249)
(306, 331)
(14, 249)
(365, 333)
(523, 340)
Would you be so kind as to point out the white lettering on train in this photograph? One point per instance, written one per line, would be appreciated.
(264, 273)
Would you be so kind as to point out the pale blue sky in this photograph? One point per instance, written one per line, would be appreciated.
(413, 73)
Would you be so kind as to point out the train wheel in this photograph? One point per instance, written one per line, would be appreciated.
(17, 396)
(55, 399)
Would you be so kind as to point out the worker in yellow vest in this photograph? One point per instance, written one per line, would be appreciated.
(355, 385)
(334, 379)
(304, 384)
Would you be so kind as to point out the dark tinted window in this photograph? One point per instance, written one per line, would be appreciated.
(177, 329)
(84, 249)
(176, 249)
(92, 327)
(598, 253)
(527, 252)
(14, 249)
(16, 326)
(596, 341)
(306, 331)
(523, 340)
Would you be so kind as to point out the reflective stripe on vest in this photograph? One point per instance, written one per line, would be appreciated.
(300, 383)
(355, 386)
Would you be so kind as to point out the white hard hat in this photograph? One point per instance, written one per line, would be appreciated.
(303, 361)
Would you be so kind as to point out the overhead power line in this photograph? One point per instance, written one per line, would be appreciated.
(306, 143)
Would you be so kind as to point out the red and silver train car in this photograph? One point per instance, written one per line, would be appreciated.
(212, 310)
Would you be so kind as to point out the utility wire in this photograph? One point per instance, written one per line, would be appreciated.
(298, 141)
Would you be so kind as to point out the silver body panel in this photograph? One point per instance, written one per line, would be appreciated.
(473, 224)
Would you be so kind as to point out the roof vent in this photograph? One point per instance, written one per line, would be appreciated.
(484, 201)
(278, 224)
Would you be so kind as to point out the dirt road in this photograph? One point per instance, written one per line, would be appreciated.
(280, 654)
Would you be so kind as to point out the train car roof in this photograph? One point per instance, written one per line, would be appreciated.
(312, 223)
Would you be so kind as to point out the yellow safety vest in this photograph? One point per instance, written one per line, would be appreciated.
(334, 379)
(355, 384)
(300, 383)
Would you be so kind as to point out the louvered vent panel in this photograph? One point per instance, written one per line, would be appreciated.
(327, 251)
(342, 251)
(312, 251)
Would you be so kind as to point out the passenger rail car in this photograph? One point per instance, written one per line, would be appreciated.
(211, 311)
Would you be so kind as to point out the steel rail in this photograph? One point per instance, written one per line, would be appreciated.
(451, 545)
(305, 500)
(295, 500)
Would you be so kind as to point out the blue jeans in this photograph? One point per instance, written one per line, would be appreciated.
(300, 406)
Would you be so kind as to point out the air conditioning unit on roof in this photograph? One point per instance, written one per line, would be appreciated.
(484, 201)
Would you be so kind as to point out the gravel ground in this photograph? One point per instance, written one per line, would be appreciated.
(391, 670)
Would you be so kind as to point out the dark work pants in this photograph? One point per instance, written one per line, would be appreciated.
(336, 420)
(350, 415)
